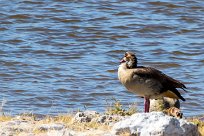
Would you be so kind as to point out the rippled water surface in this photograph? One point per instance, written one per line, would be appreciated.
(57, 56)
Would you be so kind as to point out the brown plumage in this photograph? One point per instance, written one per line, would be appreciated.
(147, 82)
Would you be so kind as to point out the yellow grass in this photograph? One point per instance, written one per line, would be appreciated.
(5, 118)
(199, 123)
(67, 120)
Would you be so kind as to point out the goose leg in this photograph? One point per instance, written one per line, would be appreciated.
(146, 104)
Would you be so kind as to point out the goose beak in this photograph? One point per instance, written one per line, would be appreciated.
(122, 61)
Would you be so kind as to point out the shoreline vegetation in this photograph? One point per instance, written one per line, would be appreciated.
(85, 123)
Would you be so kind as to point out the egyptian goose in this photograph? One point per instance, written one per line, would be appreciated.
(147, 82)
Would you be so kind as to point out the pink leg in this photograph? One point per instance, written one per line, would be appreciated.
(146, 104)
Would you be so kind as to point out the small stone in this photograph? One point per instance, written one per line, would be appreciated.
(85, 116)
(102, 119)
(47, 127)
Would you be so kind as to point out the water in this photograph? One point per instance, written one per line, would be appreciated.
(58, 56)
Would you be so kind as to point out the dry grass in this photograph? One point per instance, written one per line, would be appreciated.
(116, 108)
(64, 118)
(5, 118)
(199, 123)
(67, 120)
(89, 126)
(81, 126)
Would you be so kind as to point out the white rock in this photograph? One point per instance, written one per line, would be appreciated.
(154, 124)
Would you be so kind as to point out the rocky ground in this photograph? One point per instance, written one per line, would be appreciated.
(87, 123)
(91, 123)
(115, 121)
